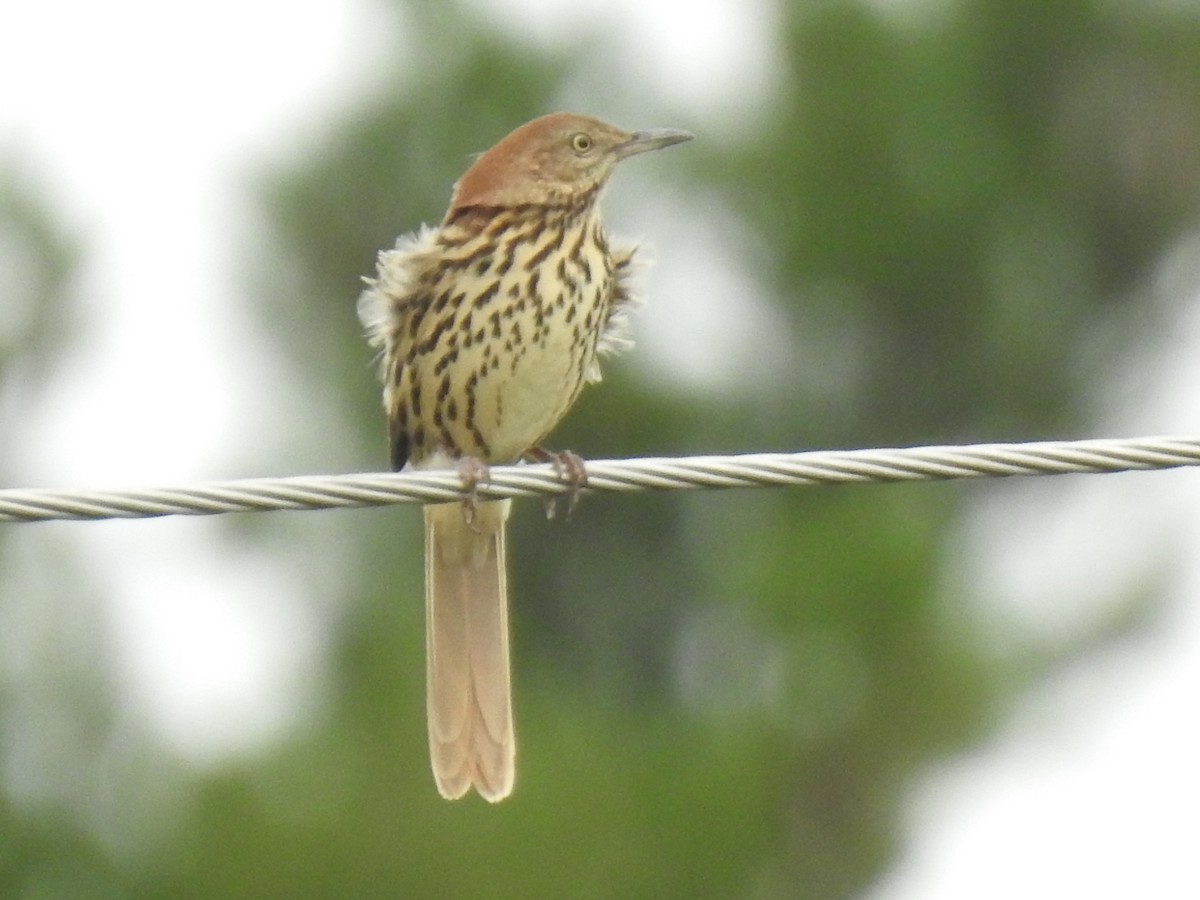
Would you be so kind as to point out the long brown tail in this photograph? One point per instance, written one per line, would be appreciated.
(466, 645)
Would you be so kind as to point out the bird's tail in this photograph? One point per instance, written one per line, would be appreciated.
(466, 644)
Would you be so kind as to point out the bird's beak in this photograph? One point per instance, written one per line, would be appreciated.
(652, 139)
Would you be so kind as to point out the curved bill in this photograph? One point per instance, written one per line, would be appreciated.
(652, 139)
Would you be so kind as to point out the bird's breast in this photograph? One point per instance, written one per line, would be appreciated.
(503, 360)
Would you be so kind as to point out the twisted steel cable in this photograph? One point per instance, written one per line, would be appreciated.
(647, 474)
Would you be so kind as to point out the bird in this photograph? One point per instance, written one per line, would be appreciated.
(488, 326)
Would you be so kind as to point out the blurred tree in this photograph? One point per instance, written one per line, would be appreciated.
(724, 694)
(727, 694)
(54, 709)
(39, 260)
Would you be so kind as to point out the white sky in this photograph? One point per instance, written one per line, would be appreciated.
(142, 118)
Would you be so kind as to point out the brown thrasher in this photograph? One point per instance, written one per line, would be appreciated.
(489, 326)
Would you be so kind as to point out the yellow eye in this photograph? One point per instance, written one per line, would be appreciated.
(581, 142)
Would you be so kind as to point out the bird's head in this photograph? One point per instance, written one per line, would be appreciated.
(551, 160)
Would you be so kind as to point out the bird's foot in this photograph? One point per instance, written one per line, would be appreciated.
(473, 472)
(570, 468)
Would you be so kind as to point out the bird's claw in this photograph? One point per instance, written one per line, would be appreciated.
(473, 472)
(570, 468)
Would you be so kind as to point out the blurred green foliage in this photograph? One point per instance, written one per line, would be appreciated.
(39, 259)
(723, 694)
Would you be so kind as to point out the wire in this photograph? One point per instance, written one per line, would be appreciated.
(649, 474)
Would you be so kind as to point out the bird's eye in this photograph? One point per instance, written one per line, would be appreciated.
(581, 142)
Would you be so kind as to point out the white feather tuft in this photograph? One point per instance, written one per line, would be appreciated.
(617, 336)
(390, 291)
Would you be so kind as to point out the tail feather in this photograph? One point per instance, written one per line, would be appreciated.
(469, 692)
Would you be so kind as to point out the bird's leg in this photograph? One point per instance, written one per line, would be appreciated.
(472, 471)
(569, 467)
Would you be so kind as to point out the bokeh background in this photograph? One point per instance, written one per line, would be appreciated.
(901, 223)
